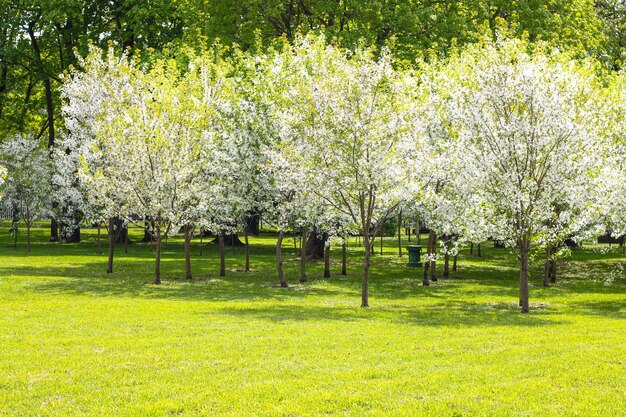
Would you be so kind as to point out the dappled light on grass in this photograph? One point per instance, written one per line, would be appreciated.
(77, 341)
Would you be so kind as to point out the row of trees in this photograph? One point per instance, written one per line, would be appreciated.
(503, 140)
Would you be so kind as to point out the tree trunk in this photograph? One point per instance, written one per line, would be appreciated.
(425, 279)
(315, 245)
(366, 271)
(400, 233)
(550, 266)
(344, 269)
(327, 261)
(27, 237)
(15, 226)
(303, 235)
(471, 248)
(54, 230)
(148, 227)
(279, 259)
(546, 272)
(99, 236)
(446, 265)
(121, 231)
(245, 236)
(111, 231)
(157, 275)
(432, 245)
(524, 248)
(480, 255)
(454, 262)
(188, 235)
(220, 240)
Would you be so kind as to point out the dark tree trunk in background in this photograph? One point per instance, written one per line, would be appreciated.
(327, 261)
(480, 255)
(524, 248)
(54, 230)
(279, 259)
(229, 240)
(550, 267)
(121, 231)
(99, 236)
(315, 245)
(157, 273)
(188, 230)
(344, 250)
(253, 223)
(456, 255)
(432, 244)
(27, 237)
(303, 234)
(111, 231)
(148, 227)
(367, 243)
(400, 233)
(220, 239)
(245, 236)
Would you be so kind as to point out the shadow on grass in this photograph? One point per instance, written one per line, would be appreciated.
(453, 314)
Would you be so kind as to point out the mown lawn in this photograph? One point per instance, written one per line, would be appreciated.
(75, 341)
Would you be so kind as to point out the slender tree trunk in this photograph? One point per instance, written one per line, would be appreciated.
(546, 274)
(524, 248)
(15, 228)
(480, 255)
(472, 248)
(126, 240)
(454, 262)
(245, 236)
(327, 261)
(188, 234)
(366, 271)
(426, 279)
(279, 260)
(344, 269)
(111, 231)
(303, 239)
(446, 265)
(157, 274)
(400, 233)
(147, 232)
(432, 244)
(201, 233)
(54, 230)
(27, 237)
(550, 266)
(99, 238)
(220, 239)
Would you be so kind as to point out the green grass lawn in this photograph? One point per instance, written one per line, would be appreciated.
(75, 341)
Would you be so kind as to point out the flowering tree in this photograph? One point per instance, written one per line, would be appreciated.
(26, 185)
(526, 138)
(150, 151)
(342, 134)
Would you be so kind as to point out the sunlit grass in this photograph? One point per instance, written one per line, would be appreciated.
(76, 341)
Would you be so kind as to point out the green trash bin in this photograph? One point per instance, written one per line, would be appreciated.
(414, 255)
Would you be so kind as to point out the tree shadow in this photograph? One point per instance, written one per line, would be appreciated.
(452, 314)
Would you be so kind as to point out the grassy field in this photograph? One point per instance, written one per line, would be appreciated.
(75, 341)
